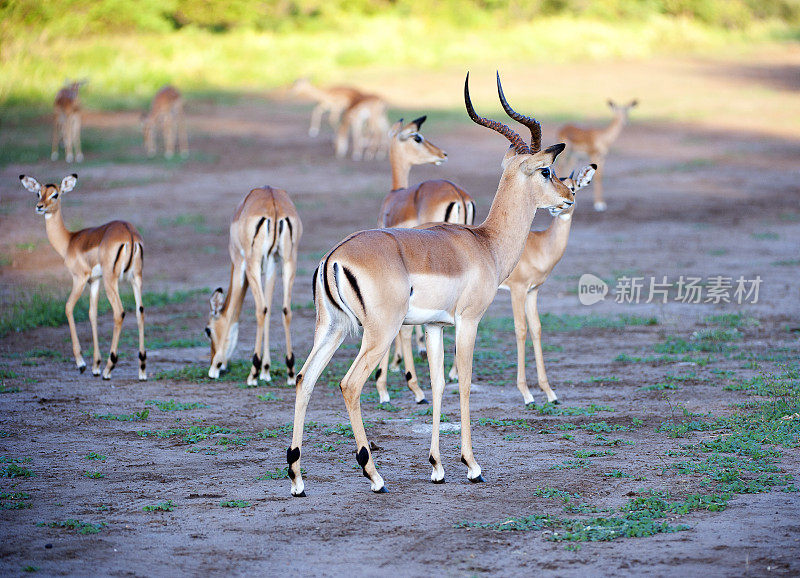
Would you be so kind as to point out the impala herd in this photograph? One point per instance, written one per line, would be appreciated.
(425, 265)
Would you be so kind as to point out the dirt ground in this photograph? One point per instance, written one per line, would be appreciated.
(704, 198)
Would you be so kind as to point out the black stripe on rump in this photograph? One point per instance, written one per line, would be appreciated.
(289, 225)
(352, 280)
(314, 285)
(327, 284)
(448, 211)
(258, 228)
(116, 259)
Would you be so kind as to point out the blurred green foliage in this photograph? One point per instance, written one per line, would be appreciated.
(81, 17)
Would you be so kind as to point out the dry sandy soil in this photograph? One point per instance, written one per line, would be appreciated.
(705, 198)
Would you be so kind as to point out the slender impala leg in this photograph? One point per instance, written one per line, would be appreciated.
(335, 116)
(269, 292)
(599, 203)
(76, 138)
(136, 284)
(381, 378)
(532, 312)
(289, 270)
(68, 132)
(342, 135)
(327, 340)
(374, 345)
(78, 281)
(518, 295)
(420, 333)
(183, 143)
(466, 330)
(253, 275)
(408, 361)
(397, 359)
(316, 119)
(433, 337)
(94, 296)
(57, 129)
(169, 136)
(111, 283)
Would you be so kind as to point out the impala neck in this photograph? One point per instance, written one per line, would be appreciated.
(507, 225)
(557, 236)
(611, 132)
(234, 298)
(401, 168)
(57, 232)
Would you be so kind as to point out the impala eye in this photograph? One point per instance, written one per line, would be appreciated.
(417, 138)
(546, 173)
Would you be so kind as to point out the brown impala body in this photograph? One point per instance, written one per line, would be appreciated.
(543, 250)
(108, 252)
(595, 144)
(427, 202)
(334, 100)
(67, 122)
(265, 231)
(446, 274)
(366, 124)
(166, 111)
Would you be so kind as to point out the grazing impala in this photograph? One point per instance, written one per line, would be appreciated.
(366, 124)
(111, 252)
(333, 100)
(265, 228)
(166, 110)
(67, 122)
(426, 202)
(595, 143)
(542, 252)
(446, 274)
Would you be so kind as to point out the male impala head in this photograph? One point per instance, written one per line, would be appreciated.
(49, 195)
(526, 167)
(222, 333)
(412, 146)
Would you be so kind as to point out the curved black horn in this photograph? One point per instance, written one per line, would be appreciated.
(517, 141)
(531, 123)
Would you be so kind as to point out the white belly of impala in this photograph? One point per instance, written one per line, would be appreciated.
(420, 316)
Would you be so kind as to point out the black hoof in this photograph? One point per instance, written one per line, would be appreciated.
(82, 368)
(478, 480)
(531, 405)
(555, 402)
(300, 495)
(437, 481)
(383, 490)
(106, 378)
(423, 401)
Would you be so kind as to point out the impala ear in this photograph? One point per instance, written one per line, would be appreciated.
(30, 184)
(633, 103)
(584, 176)
(396, 128)
(611, 103)
(217, 301)
(418, 121)
(68, 183)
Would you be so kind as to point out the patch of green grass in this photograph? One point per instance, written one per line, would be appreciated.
(786, 263)
(12, 470)
(195, 221)
(18, 502)
(617, 474)
(553, 409)
(182, 343)
(659, 386)
(77, 525)
(40, 307)
(95, 475)
(766, 236)
(136, 416)
(278, 474)
(235, 504)
(268, 396)
(237, 371)
(30, 568)
(566, 322)
(95, 456)
(603, 379)
(167, 506)
(732, 320)
(191, 435)
(173, 405)
(593, 453)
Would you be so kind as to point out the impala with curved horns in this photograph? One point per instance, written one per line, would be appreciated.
(445, 274)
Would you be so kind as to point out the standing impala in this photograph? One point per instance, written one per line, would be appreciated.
(111, 252)
(427, 202)
(595, 143)
(265, 228)
(543, 250)
(366, 124)
(446, 274)
(166, 110)
(333, 100)
(67, 122)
